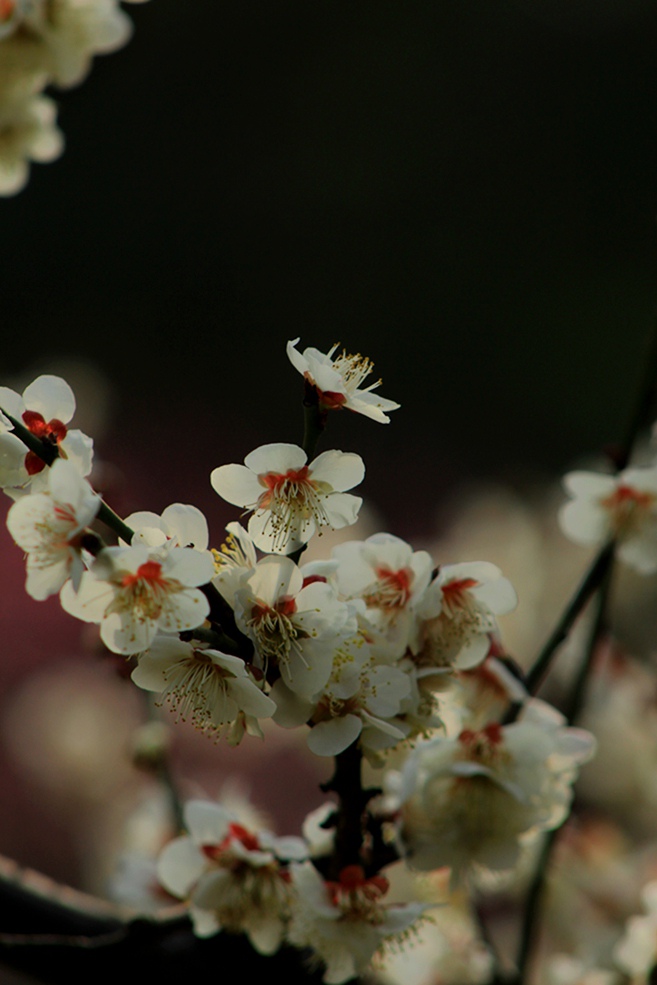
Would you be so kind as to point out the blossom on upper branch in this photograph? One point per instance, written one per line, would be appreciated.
(290, 499)
(180, 525)
(45, 408)
(623, 507)
(235, 878)
(337, 381)
(49, 525)
(133, 591)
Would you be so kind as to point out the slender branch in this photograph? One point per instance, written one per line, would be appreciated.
(346, 782)
(591, 582)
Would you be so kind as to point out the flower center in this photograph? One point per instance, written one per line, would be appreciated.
(392, 589)
(357, 896)
(277, 634)
(291, 497)
(353, 369)
(629, 509)
(484, 745)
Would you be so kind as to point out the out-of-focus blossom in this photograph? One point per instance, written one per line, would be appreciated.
(234, 878)
(636, 952)
(338, 379)
(211, 689)
(345, 922)
(290, 499)
(470, 801)
(622, 507)
(49, 525)
(28, 132)
(132, 592)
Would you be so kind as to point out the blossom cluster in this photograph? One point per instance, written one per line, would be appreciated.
(43, 43)
(364, 650)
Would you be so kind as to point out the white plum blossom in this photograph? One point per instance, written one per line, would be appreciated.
(290, 499)
(345, 922)
(234, 878)
(359, 702)
(45, 408)
(212, 689)
(294, 627)
(458, 612)
(48, 526)
(390, 578)
(338, 379)
(133, 591)
(472, 801)
(622, 507)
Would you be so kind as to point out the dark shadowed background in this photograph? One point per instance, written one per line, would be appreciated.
(464, 190)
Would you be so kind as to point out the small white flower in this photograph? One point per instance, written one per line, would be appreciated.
(296, 628)
(48, 527)
(345, 922)
(234, 878)
(212, 689)
(45, 408)
(338, 380)
(132, 592)
(390, 578)
(459, 610)
(290, 499)
(623, 507)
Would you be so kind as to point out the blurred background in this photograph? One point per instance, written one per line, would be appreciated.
(463, 190)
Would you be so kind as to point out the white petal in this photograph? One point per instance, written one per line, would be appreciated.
(237, 485)
(275, 457)
(340, 470)
(52, 397)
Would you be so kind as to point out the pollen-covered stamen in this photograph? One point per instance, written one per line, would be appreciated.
(628, 508)
(392, 589)
(194, 687)
(353, 369)
(291, 498)
(276, 632)
(230, 554)
(358, 896)
(146, 591)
